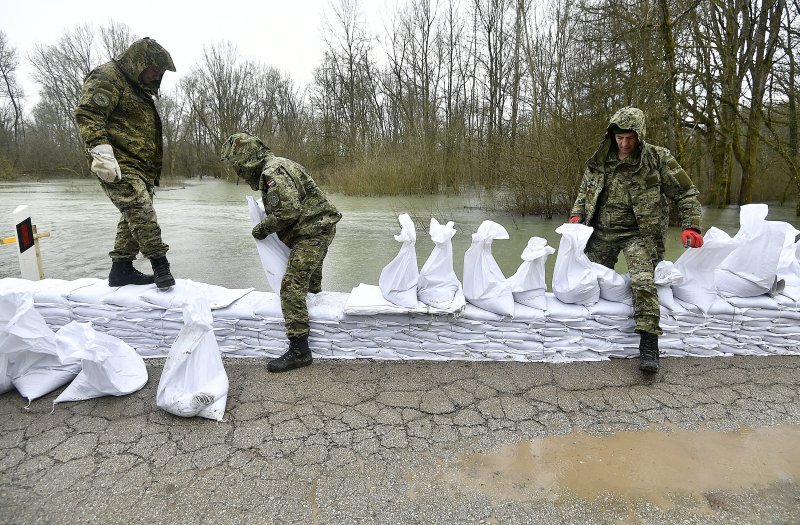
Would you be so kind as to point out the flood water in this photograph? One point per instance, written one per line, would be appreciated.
(206, 224)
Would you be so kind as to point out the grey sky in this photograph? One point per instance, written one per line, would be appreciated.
(280, 33)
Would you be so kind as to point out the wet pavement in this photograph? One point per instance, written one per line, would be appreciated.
(707, 440)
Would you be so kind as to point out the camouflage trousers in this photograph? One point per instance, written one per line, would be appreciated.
(641, 265)
(137, 230)
(303, 275)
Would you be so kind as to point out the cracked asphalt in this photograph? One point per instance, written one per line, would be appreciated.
(407, 442)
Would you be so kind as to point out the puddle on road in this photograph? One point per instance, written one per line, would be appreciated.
(648, 465)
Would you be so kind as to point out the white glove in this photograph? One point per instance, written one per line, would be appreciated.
(104, 164)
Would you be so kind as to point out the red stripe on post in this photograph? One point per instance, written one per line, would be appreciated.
(25, 235)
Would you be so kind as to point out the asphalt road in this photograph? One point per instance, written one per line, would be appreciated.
(713, 440)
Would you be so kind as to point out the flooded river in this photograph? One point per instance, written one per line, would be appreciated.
(206, 224)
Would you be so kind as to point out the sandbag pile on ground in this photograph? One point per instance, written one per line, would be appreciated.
(109, 366)
(35, 360)
(194, 381)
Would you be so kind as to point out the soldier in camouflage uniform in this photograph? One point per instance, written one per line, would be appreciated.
(298, 212)
(624, 196)
(118, 121)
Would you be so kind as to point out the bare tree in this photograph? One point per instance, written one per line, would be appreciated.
(12, 93)
(220, 92)
(492, 33)
(351, 78)
(60, 70)
(174, 113)
(781, 119)
(510, 95)
(743, 37)
(761, 43)
(115, 38)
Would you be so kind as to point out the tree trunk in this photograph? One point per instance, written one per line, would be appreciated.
(673, 129)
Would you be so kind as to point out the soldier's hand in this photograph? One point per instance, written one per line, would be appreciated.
(259, 232)
(104, 164)
(575, 219)
(691, 239)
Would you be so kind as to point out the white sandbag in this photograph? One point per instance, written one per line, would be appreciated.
(92, 293)
(665, 275)
(6, 383)
(399, 279)
(792, 294)
(485, 286)
(109, 366)
(128, 297)
(528, 282)
(54, 292)
(620, 312)
(21, 329)
(326, 307)
(34, 360)
(438, 284)
(697, 266)
(574, 277)
(560, 312)
(367, 299)
(273, 253)
(176, 296)
(245, 307)
(789, 263)
(43, 373)
(741, 274)
(613, 286)
(194, 382)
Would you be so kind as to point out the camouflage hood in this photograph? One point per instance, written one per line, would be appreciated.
(247, 155)
(141, 55)
(626, 118)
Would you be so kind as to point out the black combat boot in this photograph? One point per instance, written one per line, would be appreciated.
(163, 278)
(648, 353)
(123, 272)
(298, 355)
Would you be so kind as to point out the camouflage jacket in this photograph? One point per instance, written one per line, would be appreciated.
(656, 179)
(116, 109)
(296, 208)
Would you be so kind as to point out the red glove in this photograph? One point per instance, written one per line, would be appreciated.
(574, 219)
(691, 239)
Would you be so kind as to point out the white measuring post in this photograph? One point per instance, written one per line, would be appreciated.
(30, 260)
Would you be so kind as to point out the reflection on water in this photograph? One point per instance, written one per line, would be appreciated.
(207, 226)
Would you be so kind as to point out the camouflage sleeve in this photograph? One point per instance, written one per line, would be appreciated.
(677, 185)
(281, 195)
(579, 207)
(98, 99)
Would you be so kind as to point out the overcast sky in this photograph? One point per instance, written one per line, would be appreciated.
(285, 34)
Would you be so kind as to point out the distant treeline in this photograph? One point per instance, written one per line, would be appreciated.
(506, 95)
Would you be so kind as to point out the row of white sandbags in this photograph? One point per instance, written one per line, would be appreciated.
(153, 331)
(156, 326)
(724, 266)
(604, 328)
